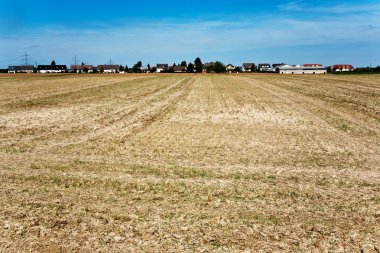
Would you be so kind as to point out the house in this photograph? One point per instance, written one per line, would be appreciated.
(275, 65)
(230, 68)
(342, 67)
(20, 69)
(82, 68)
(301, 69)
(209, 64)
(44, 69)
(265, 67)
(145, 69)
(209, 67)
(312, 65)
(179, 69)
(247, 67)
(108, 68)
(162, 67)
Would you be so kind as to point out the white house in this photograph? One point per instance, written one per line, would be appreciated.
(301, 69)
(342, 68)
(44, 69)
(106, 68)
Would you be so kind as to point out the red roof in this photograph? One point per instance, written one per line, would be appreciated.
(343, 66)
(312, 65)
(82, 67)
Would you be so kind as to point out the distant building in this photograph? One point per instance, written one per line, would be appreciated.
(44, 69)
(82, 68)
(20, 69)
(342, 67)
(209, 64)
(265, 67)
(312, 65)
(301, 69)
(162, 67)
(230, 68)
(275, 65)
(179, 69)
(247, 67)
(108, 68)
(145, 69)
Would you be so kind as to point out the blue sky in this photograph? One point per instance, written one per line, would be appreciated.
(274, 31)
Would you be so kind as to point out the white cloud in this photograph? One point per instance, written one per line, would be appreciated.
(169, 41)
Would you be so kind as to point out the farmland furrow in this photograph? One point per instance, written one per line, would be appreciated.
(29, 95)
(122, 120)
(297, 103)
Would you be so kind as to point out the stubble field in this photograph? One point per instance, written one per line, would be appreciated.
(189, 163)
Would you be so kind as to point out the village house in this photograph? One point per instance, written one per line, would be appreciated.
(179, 69)
(20, 69)
(312, 65)
(108, 68)
(275, 65)
(301, 69)
(82, 68)
(162, 67)
(209, 64)
(247, 67)
(230, 68)
(342, 67)
(45, 69)
(265, 67)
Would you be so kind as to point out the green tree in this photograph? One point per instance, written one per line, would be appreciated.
(121, 68)
(219, 67)
(190, 68)
(154, 70)
(210, 68)
(183, 63)
(198, 65)
(126, 69)
(52, 63)
(253, 68)
(237, 70)
(137, 67)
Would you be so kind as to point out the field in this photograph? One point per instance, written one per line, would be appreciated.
(189, 163)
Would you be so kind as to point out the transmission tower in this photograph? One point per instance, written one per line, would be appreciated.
(25, 59)
(75, 58)
(110, 62)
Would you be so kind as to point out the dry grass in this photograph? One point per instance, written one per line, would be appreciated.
(182, 163)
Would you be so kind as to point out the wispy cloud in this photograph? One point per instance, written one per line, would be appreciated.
(176, 40)
(328, 7)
